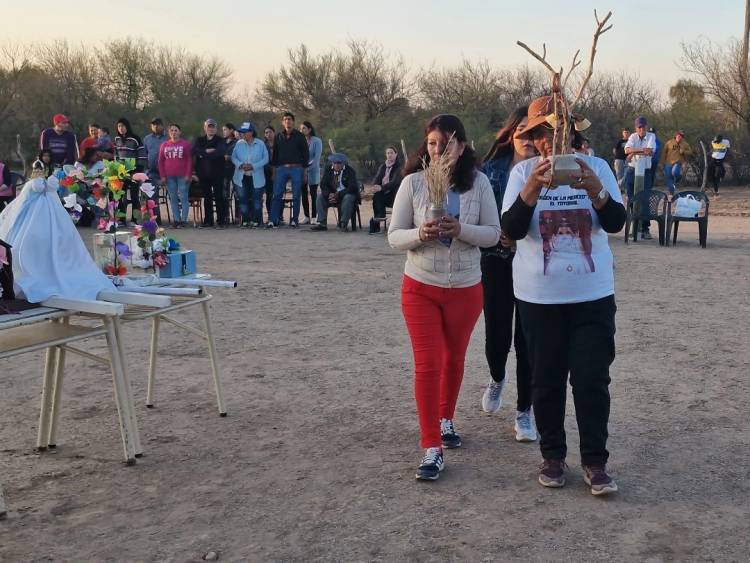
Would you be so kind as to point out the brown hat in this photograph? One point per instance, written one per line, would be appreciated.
(542, 112)
(539, 112)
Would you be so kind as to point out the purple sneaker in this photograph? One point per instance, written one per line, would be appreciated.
(552, 473)
(596, 477)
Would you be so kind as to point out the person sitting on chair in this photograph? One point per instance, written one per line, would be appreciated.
(386, 184)
(339, 187)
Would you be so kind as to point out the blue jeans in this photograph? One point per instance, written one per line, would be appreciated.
(243, 194)
(673, 175)
(279, 186)
(179, 190)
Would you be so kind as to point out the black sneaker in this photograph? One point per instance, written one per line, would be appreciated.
(319, 227)
(293, 224)
(431, 465)
(270, 225)
(448, 435)
(552, 473)
(596, 477)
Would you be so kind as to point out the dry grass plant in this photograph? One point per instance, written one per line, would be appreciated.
(437, 175)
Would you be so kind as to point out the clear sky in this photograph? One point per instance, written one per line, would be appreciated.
(253, 35)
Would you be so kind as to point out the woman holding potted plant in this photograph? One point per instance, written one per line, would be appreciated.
(567, 311)
(443, 213)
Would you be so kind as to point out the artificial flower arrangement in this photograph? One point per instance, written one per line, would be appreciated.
(101, 188)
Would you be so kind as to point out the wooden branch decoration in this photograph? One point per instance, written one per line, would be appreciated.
(573, 65)
(600, 30)
(542, 59)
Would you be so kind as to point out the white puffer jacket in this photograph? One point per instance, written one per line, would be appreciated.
(434, 263)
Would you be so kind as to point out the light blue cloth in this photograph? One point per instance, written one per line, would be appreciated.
(49, 257)
(313, 168)
(254, 153)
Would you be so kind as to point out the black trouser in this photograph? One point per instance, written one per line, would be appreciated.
(229, 197)
(310, 190)
(132, 195)
(380, 201)
(578, 338)
(716, 171)
(212, 188)
(499, 302)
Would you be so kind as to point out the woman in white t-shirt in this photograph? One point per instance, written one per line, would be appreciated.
(719, 149)
(563, 280)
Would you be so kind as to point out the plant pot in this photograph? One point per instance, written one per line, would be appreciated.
(564, 169)
(436, 212)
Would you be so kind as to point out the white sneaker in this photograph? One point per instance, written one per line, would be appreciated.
(525, 426)
(493, 396)
(305, 221)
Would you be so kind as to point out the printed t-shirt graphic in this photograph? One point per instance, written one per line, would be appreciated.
(566, 241)
(720, 149)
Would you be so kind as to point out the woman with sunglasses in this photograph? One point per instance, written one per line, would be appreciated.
(441, 295)
(567, 312)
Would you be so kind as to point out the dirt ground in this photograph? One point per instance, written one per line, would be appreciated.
(316, 458)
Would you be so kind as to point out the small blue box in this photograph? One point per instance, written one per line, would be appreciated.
(181, 263)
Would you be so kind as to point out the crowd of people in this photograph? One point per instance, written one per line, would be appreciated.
(532, 256)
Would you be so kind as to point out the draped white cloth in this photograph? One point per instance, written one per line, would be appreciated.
(49, 257)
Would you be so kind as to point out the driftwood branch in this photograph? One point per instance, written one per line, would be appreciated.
(601, 28)
(542, 59)
(573, 65)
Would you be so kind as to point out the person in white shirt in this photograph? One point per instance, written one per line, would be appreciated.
(639, 149)
(563, 280)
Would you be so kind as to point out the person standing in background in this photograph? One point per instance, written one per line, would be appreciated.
(61, 143)
(231, 136)
(269, 136)
(92, 141)
(640, 145)
(175, 164)
(208, 151)
(312, 172)
(719, 149)
(128, 145)
(291, 156)
(152, 143)
(618, 151)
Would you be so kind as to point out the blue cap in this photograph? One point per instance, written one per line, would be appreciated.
(339, 157)
(245, 127)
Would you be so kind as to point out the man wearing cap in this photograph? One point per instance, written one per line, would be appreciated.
(61, 143)
(152, 142)
(208, 150)
(676, 152)
(339, 188)
(640, 145)
(290, 158)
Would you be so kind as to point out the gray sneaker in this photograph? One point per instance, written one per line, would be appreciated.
(492, 398)
(525, 426)
(431, 465)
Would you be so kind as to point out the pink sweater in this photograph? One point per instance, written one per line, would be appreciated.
(176, 159)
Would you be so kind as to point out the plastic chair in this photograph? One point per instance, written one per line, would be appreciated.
(652, 206)
(702, 220)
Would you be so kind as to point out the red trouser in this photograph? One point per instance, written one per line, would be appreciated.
(440, 322)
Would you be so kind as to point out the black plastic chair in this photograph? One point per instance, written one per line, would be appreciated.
(701, 218)
(646, 207)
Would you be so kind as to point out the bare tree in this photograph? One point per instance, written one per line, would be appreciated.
(722, 73)
(124, 66)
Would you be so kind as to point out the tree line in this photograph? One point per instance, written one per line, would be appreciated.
(361, 96)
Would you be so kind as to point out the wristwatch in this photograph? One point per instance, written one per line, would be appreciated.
(600, 197)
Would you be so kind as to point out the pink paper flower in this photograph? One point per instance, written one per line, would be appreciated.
(140, 177)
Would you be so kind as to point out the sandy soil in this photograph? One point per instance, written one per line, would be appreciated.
(316, 458)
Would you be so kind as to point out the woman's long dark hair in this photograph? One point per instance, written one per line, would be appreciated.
(310, 127)
(466, 166)
(503, 144)
(128, 128)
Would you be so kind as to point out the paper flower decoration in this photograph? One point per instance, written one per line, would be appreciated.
(146, 188)
(71, 202)
(140, 177)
